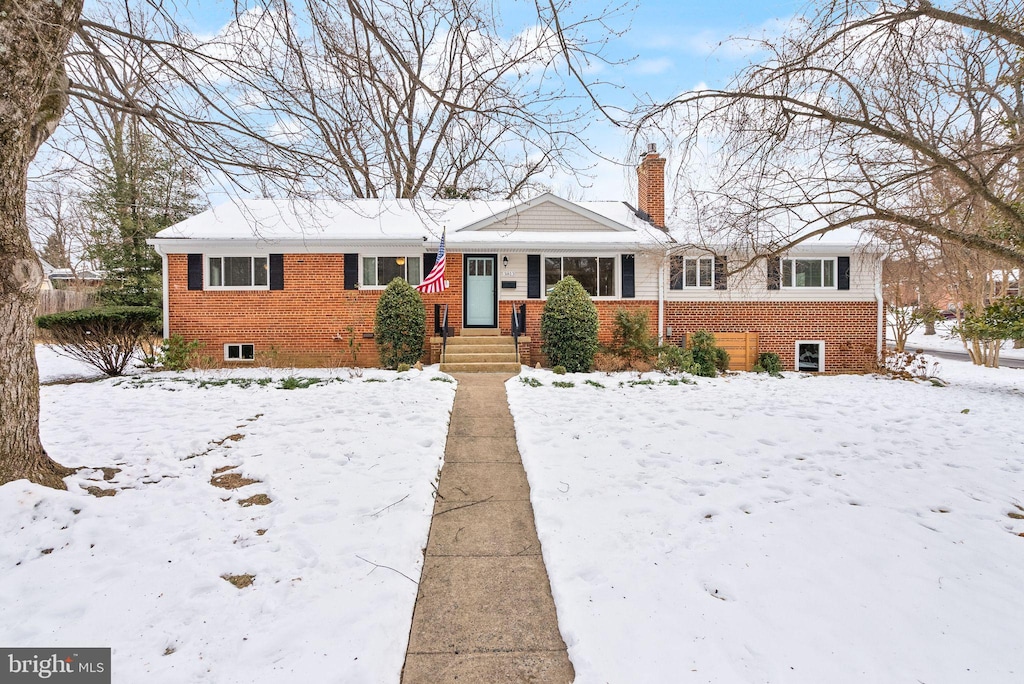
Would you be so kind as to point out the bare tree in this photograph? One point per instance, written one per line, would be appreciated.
(852, 114)
(208, 99)
(404, 98)
(59, 221)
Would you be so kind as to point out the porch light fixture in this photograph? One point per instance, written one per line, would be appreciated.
(400, 261)
(504, 262)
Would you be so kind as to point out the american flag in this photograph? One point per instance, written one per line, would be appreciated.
(435, 282)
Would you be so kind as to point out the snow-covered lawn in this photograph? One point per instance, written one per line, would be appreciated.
(802, 530)
(348, 464)
(942, 340)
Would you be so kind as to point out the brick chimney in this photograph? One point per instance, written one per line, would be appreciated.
(650, 182)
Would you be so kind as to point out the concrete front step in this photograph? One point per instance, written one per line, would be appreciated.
(481, 349)
(472, 332)
(487, 357)
(488, 341)
(496, 367)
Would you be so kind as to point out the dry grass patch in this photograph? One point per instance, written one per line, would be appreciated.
(229, 480)
(99, 491)
(240, 581)
(257, 500)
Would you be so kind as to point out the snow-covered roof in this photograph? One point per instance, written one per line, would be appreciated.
(546, 221)
(477, 223)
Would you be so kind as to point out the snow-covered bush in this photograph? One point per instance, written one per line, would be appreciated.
(569, 327)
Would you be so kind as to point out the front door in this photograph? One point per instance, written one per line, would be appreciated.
(481, 287)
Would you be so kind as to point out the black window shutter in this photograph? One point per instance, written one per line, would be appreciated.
(628, 277)
(721, 273)
(533, 276)
(429, 259)
(195, 271)
(277, 271)
(675, 273)
(844, 273)
(774, 273)
(351, 271)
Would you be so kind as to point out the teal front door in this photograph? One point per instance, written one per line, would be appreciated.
(481, 287)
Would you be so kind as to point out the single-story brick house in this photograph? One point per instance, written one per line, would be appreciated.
(298, 281)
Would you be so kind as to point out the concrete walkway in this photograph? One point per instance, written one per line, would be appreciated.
(484, 611)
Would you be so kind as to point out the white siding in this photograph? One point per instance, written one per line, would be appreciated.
(547, 217)
(752, 284)
(517, 269)
(645, 268)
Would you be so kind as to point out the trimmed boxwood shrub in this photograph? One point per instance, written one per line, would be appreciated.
(104, 337)
(569, 327)
(400, 326)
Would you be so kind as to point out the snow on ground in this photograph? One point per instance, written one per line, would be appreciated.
(348, 463)
(943, 340)
(797, 530)
(55, 367)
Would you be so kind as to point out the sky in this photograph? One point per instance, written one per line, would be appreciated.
(667, 47)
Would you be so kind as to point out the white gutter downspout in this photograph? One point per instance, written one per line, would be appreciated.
(166, 290)
(881, 312)
(661, 301)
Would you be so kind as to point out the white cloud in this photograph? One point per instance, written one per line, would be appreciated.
(657, 65)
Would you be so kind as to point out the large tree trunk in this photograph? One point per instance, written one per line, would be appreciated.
(33, 37)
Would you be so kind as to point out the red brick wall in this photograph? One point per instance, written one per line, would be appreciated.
(605, 316)
(305, 324)
(847, 328)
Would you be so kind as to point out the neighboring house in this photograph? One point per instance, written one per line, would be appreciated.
(66, 279)
(48, 270)
(298, 281)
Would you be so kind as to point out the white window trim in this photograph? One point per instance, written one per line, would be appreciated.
(371, 288)
(242, 288)
(821, 355)
(617, 280)
(240, 359)
(788, 286)
(692, 287)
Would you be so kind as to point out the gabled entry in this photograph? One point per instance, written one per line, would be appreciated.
(480, 290)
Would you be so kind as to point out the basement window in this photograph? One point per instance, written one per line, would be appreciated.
(239, 352)
(810, 356)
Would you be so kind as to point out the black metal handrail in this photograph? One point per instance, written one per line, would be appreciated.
(444, 335)
(515, 331)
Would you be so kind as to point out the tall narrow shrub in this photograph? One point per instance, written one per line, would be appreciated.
(569, 327)
(400, 326)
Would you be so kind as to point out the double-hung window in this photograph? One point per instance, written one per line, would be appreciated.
(595, 274)
(809, 273)
(691, 272)
(245, 271)
(381, 270)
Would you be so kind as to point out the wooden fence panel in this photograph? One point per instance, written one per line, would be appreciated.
(742, 348)
(55, 301)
